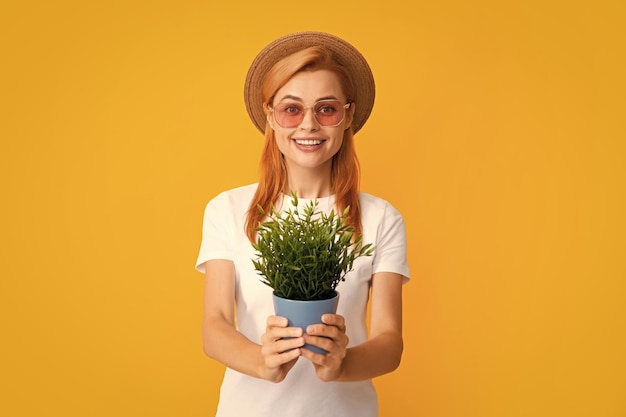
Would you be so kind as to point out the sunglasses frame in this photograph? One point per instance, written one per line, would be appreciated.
(306, 108)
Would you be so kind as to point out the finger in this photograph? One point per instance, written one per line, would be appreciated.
(277, 328)
(287, 345)
(328, 334)
(277, 321)
(321, 342)
(334, 320)
(316, 358)
(279, 359)
(279, 346)
(324, 330)
(275, 334)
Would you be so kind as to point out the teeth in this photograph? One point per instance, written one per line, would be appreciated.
(308, 142)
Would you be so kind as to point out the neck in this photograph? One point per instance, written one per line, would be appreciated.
(309, 183)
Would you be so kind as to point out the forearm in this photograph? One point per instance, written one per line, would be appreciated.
(377, 356)
(225, 344)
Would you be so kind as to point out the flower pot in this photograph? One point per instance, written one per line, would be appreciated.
(303, 313)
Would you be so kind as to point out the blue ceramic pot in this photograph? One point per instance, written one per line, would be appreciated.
(303, 313)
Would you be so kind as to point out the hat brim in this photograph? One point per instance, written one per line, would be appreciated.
(345, 54)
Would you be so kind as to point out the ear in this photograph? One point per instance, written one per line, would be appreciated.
(350, 115)
(270, 122)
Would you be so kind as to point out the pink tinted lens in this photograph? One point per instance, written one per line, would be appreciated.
(327, 113)
(289, 114)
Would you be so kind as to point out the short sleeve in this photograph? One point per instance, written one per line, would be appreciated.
(390, 253)
(217, 232)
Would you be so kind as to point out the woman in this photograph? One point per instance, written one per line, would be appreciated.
(308, 92)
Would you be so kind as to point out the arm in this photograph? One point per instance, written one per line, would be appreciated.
(379, 355)
(224, 343)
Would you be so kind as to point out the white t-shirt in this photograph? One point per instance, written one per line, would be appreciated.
(301, 393)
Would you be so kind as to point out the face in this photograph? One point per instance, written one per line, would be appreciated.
(310, 145)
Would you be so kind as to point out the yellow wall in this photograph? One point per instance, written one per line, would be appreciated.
(498, 132)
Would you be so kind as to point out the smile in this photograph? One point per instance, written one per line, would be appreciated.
(308, 142)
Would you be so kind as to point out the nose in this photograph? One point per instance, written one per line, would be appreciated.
(309, 122)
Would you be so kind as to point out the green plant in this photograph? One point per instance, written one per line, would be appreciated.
(304, 255)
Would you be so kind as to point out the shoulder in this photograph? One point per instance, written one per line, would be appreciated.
(236, 196)
(233, 203)
(372, 205)
(245, 191)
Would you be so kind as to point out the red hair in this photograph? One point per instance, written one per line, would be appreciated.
(345, 171)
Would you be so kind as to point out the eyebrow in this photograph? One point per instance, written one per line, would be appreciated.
(295, 98)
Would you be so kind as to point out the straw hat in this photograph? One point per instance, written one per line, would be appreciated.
(345, 54)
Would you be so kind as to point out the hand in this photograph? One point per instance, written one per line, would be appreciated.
(330, 336)
(280, 354)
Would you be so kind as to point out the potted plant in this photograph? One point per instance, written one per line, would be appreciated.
(303, 255)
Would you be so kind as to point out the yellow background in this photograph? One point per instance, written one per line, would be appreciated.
(498, 132)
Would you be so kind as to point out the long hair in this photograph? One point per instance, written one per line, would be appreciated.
(345, 171)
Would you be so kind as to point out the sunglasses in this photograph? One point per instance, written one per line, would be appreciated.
(328, 113)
